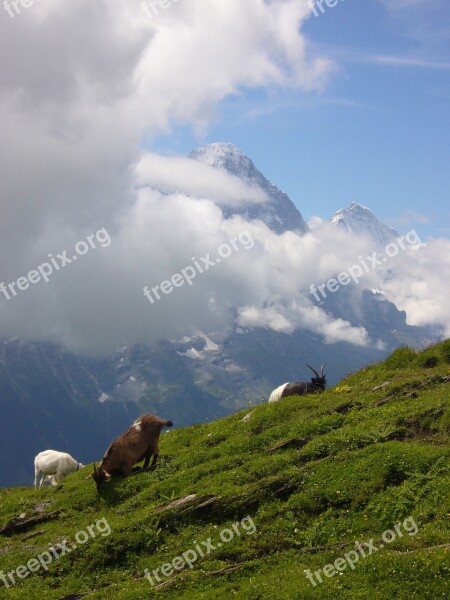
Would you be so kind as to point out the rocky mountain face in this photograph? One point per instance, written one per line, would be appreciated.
(380, 318)
(50, 398)
(279, 213)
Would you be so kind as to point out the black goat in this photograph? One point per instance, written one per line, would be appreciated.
(300, 388)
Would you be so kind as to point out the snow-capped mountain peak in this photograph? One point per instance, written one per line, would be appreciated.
(225, 156)
(279, 213)
(358, 219)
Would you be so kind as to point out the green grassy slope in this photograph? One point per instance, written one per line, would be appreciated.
(314, 475)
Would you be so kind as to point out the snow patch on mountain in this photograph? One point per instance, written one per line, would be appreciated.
(196, 352)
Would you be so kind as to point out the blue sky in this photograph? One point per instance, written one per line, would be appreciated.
(378, 134)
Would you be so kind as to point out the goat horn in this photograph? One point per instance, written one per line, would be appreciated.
(322, 368)
(92, 474)
(314, 371)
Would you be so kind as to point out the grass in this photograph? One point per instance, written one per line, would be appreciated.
(314, 474)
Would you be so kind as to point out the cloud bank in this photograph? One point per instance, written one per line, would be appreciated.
(84, 84)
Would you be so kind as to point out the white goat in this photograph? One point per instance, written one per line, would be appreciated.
(54, 466)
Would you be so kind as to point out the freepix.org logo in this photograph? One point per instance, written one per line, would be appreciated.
(199, 266)
(365, 265)
(55, 552)
(152, 8)
(55, 263)
(317, 6)
(363, 550)
(188, 558)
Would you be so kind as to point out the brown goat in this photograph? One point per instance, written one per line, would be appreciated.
(139, 442)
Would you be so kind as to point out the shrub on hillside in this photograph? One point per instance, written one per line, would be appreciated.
(445, 350)
(400, 358)
(428, 360)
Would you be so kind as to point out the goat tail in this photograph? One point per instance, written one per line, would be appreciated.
(277, 394)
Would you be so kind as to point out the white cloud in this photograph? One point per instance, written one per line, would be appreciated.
(420, 284)
(94, 77)
(172, 174)
(409, 218)
(417, 59)
(98, 303)
(425, 22)
(83, 84)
